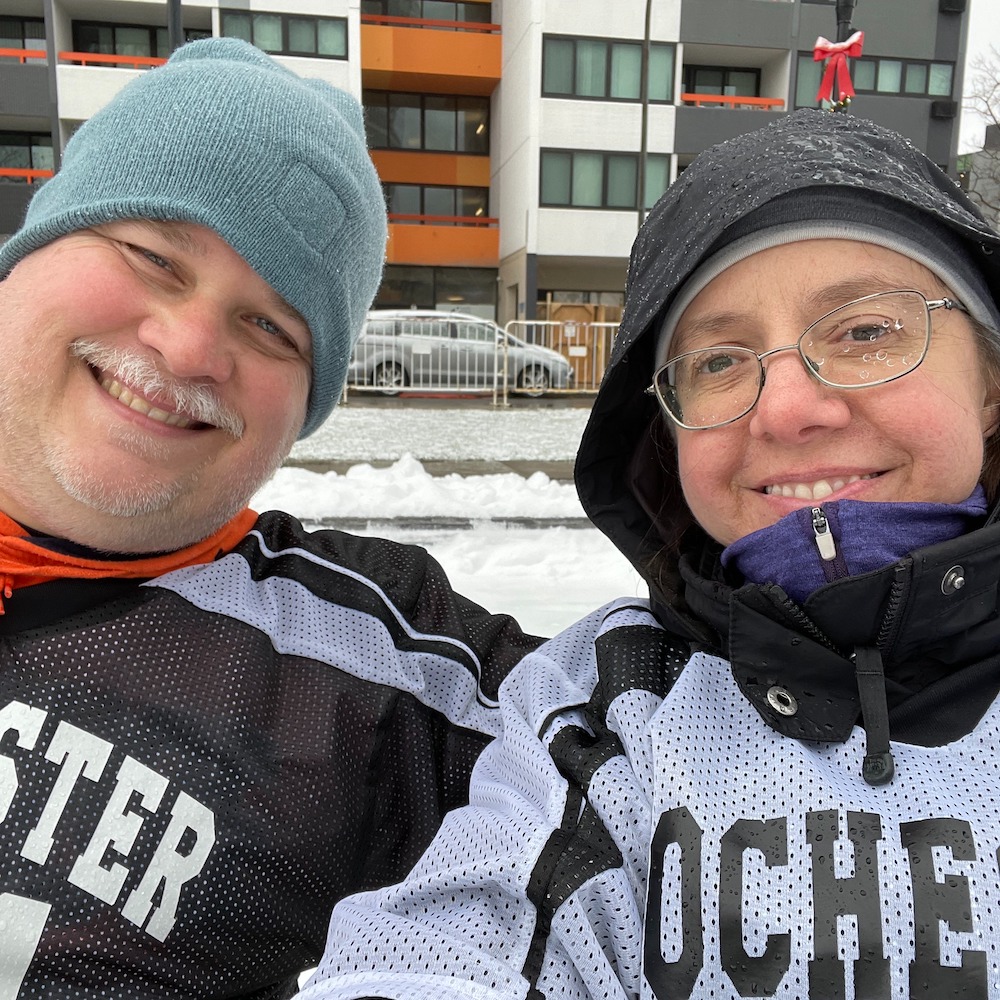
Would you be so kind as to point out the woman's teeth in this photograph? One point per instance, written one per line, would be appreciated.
(819, 490)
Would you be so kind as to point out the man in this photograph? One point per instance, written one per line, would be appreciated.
(212, 724)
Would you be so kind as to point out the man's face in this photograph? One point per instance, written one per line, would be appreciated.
(152, 382)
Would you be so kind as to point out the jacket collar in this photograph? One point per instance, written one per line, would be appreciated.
(929, 616)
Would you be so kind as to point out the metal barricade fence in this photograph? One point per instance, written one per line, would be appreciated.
(586, 346)
(426, 353)
(453, 353)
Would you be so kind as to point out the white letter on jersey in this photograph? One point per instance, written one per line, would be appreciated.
(119, 829)
(27, 723)
(78, 752)
(172, 868)
(22, 922)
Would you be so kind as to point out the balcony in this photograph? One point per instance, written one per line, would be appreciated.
(24, 87)
(110, 59)
(443, 240)
(733, 101)
(23, 174)
(408, 54)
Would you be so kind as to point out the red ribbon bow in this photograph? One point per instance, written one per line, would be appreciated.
(836, 69)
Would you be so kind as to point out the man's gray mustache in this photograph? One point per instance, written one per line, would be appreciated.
(140, 374)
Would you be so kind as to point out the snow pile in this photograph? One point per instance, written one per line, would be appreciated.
(405, 489)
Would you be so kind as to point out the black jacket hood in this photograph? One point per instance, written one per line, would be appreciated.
(625, 466)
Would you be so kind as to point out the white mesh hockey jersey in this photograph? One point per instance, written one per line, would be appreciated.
(640, 831)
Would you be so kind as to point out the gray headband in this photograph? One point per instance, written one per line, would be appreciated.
(838, 217)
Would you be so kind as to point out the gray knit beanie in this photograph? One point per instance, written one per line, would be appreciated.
(224, 136)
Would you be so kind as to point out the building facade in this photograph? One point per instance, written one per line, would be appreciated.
(508, 135)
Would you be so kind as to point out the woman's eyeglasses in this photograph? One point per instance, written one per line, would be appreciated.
(869, 341)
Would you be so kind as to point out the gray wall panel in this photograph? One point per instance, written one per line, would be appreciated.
(14, 200)
(696, 128)
(738, 22)
(24, 90)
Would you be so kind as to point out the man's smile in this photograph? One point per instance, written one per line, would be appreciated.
(140, 405)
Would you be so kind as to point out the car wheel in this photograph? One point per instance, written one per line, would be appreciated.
(533, 381)
(388, 377)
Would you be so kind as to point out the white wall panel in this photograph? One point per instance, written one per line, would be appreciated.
(585, 233)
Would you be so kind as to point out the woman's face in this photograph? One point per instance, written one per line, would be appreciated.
(919, 438)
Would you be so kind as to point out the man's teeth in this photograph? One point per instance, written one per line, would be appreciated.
(819, 490)
(140, 405)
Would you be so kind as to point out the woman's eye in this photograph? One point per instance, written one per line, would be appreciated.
(867, 331)
(716, 364)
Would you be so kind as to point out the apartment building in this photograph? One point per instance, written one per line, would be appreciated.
(508, 135)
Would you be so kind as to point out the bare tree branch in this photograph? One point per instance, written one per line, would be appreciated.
(982, 99)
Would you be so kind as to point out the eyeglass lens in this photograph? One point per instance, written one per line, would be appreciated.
(866, 342)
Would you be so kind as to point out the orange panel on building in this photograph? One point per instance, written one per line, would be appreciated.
(456, 170)
(422, 59)
(444, 246)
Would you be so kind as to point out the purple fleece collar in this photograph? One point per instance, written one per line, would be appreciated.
(868, 536)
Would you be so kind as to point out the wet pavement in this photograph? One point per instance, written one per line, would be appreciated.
(561, 471)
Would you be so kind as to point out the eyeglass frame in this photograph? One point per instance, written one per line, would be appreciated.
(929, 304)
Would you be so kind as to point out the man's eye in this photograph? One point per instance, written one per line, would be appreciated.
(273, 330)
(147, 254)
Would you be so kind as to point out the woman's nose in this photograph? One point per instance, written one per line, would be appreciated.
(793, 405)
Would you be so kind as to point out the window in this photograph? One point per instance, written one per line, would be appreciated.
(127, 39)
(416, 199)
(26, 150)
(728, 80)
(21, 33)
(586, 179)
(429, 10)
(470, 289)
(289, 34)
(875, 75)
(605, 69)
(434, 122)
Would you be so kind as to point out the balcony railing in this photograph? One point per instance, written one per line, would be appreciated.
(110, 59)
(422, 22)
(733, 101)
(477, 221)
(22, 55)
(24, 174)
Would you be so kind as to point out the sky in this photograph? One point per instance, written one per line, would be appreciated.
(984, 31)
(546, 577)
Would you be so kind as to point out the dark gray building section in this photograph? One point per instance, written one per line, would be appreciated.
(765, 24)
(24, 106)
(898, 29)
(24, 93)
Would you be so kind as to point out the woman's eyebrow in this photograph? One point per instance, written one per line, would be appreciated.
(839, 293)
(816, 302)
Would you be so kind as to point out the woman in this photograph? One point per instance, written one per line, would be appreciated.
(779, 777)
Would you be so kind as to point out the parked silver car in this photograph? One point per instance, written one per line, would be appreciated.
(426, 349)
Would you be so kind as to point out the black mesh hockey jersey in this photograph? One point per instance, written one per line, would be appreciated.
(641, 831)
(194, 769)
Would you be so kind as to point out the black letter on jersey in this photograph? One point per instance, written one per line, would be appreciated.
(752, 977)
(675, 979)
(935, 903)
(836, 897)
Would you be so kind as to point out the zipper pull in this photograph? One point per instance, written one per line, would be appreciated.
(824, 539)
